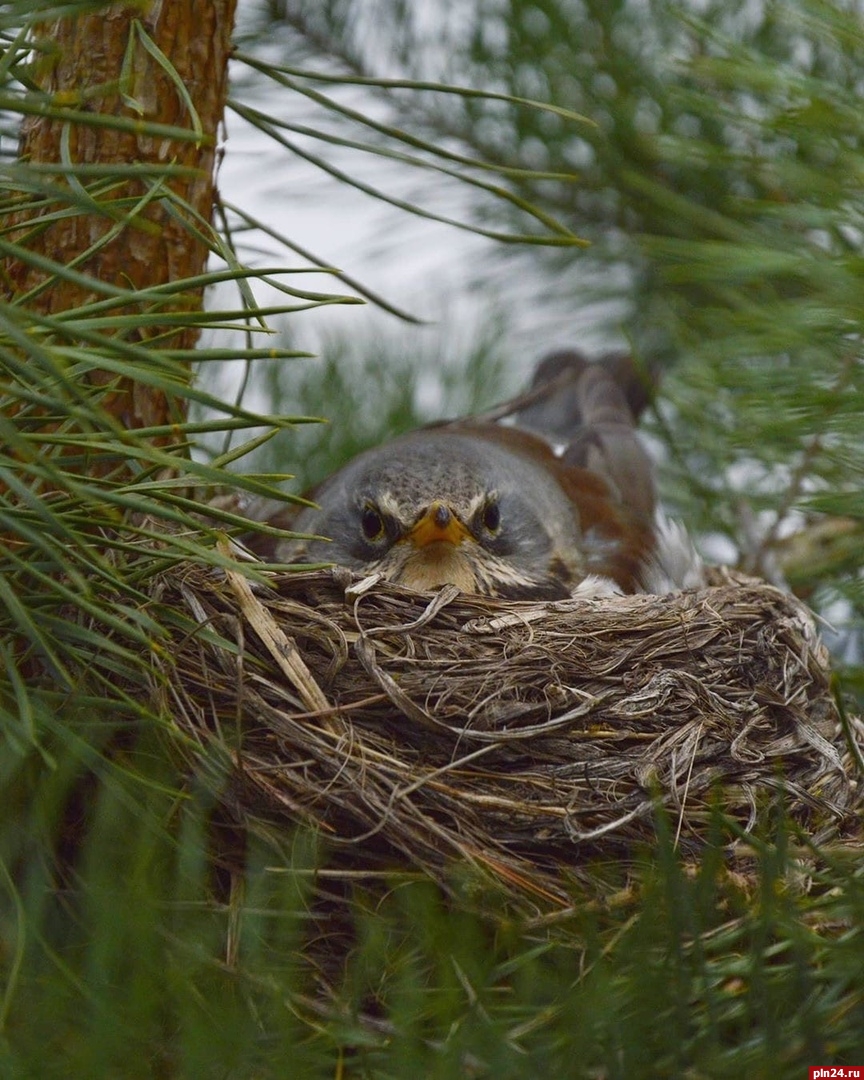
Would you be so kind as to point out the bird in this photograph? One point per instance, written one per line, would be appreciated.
(528, 501)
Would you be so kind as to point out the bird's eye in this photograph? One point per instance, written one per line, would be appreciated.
(491, 517)
(372, 523)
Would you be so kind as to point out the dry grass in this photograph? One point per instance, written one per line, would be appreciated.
(521, 739)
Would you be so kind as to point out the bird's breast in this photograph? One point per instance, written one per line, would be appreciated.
(437, 563)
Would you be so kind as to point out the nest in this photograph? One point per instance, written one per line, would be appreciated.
(515, 741)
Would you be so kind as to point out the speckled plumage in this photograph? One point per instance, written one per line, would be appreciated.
(535, 551)
(494, 508)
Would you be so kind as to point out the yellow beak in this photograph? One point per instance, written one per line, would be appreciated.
(437, 524)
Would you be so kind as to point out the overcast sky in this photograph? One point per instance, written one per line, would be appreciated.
(421, 266)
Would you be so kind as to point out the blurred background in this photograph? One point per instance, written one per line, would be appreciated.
(680, 179)
(431, 194)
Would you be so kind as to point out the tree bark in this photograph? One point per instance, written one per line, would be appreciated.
(100, 64)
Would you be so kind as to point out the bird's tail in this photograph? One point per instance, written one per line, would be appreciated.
(568, 392)
(589, 410)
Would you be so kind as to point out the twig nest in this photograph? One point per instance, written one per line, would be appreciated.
(524, 738)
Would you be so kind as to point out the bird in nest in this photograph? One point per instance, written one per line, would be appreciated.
(547, 496)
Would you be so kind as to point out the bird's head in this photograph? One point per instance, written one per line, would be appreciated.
(446, 506)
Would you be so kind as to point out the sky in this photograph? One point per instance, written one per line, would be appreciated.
(444, 276)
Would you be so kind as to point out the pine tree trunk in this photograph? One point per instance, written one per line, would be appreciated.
(100, 63)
